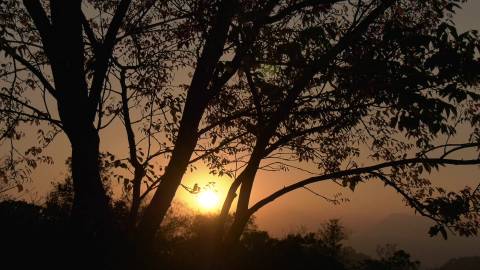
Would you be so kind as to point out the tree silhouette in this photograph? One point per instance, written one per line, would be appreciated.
(273, 84)
(391, 258)
(332, 233)
(35, 40)
(397, 80)
(115, 73)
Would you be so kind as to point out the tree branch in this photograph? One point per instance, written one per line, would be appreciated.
(357, 171)
(10, 51)
(89, 31)
(40, 19)
(102, 56)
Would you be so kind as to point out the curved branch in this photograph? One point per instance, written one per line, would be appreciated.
(357, 171)
(41, 115)
(413, 203)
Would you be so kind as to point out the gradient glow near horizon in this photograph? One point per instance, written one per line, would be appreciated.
(208, 200)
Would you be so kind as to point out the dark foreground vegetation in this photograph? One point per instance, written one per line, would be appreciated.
(39, 236)
(464, 263)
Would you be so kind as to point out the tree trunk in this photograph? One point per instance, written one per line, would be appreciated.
(91, 216)
(218, 250)
(90, 209)
(139, 170)
(223, 241)
(62, 39)
(136, 200)
(218, 253)
(198, 97)
(63, 42)
(186, 141)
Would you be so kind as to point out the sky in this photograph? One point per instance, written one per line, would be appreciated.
(375, 214)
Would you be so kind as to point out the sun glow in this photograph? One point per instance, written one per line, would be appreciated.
(208, 199)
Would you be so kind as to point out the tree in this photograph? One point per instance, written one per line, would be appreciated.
(63, 62)
(332, 233)
(391, 258)
(290, 81)
(95, 62)
(391, 82)
(33, 41)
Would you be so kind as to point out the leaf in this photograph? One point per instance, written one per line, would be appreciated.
(393, 122)
(214, 139)
(352, 185)
(443, 232)
(433, 231)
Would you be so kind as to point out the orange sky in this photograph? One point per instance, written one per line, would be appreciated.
(370, 205)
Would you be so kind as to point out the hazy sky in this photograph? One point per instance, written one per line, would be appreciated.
(375, 214)
(371, 213)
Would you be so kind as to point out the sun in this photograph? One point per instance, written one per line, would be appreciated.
(208, 199)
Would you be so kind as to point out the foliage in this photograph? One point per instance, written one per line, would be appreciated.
(391, 259)
(332, 234)
(243, 86)
(396, 91)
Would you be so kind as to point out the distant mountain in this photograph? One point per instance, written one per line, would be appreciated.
(465, 263)
(410, 233)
